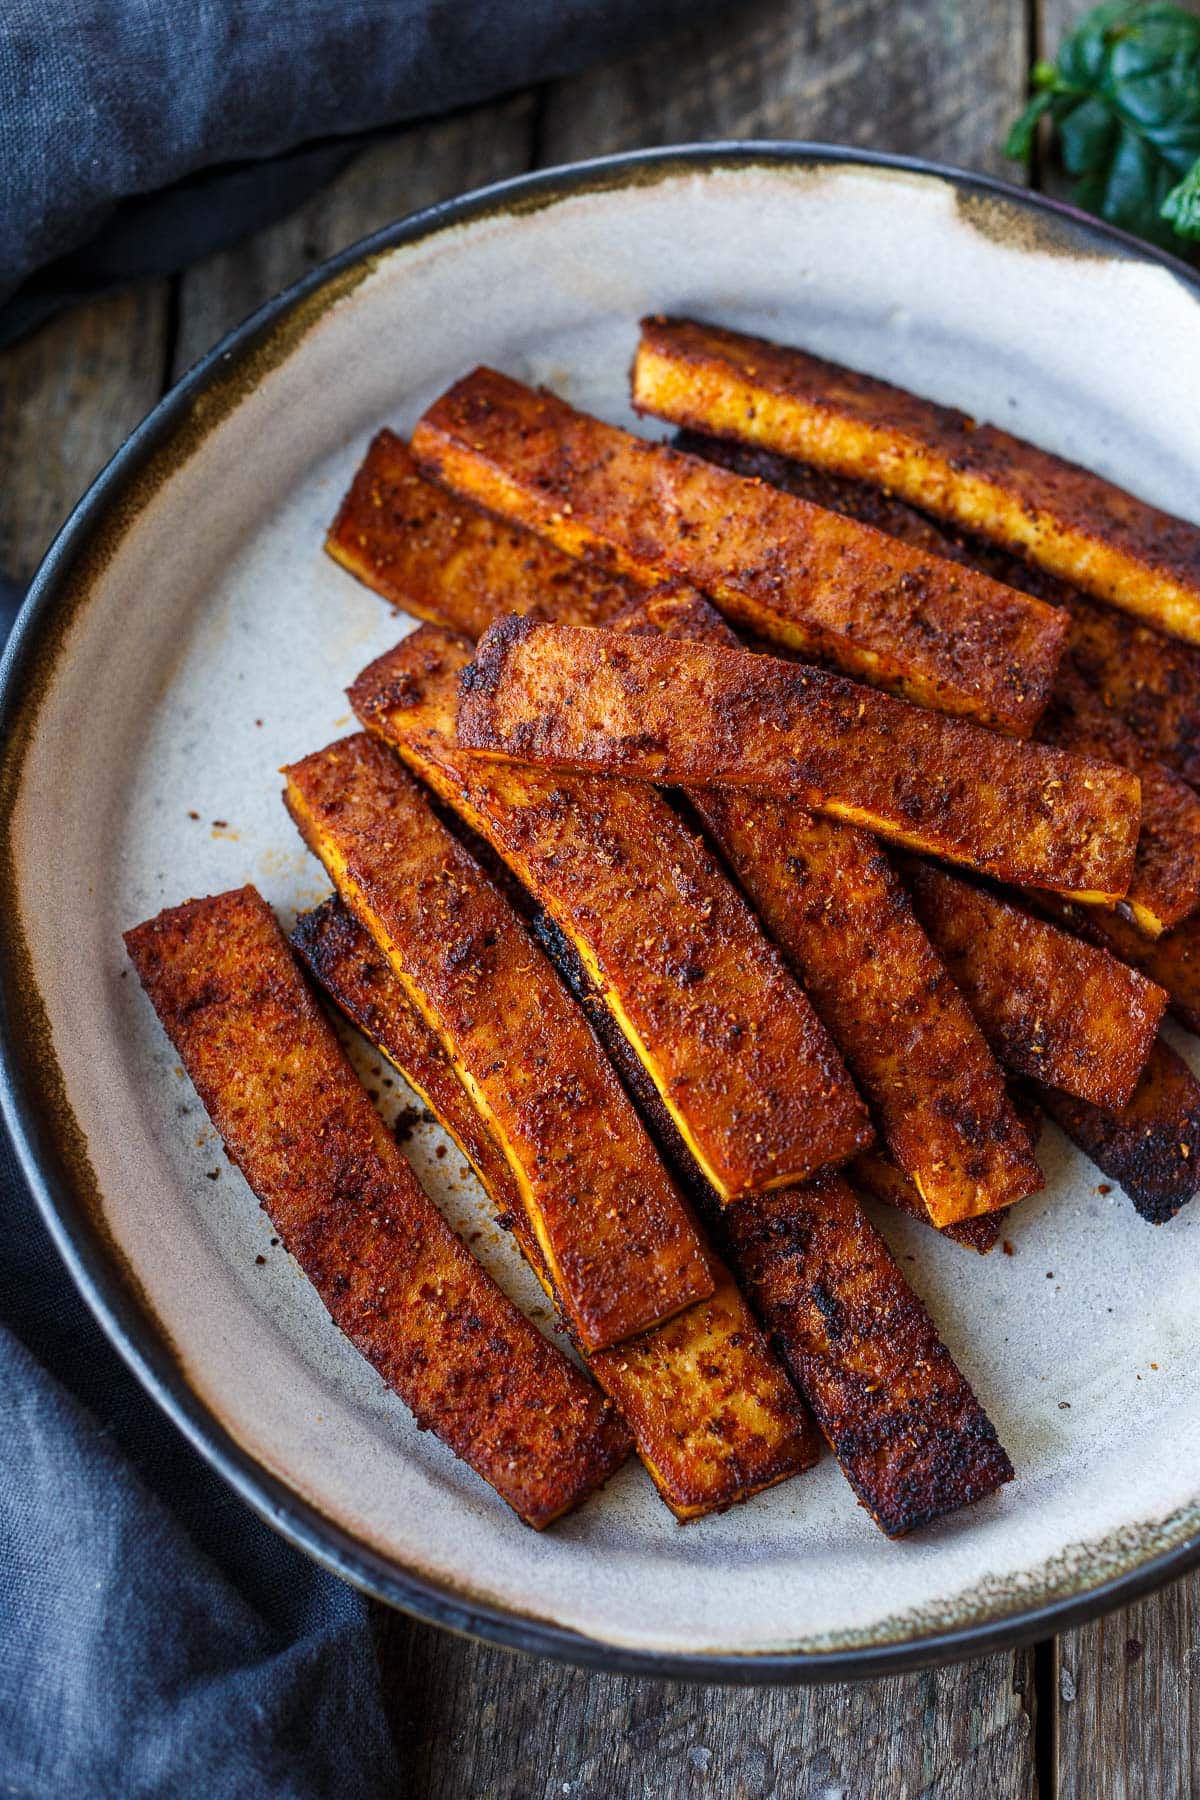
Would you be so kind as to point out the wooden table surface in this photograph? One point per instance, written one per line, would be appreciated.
(1106, 1711)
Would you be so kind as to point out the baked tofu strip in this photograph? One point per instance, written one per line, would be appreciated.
(621, 1250)
(1165, 888)
(760, 1239)
(351, 970)
(829, 897)
(1173, 960)
(1151, 681)
(874, 1173)
(1063, 518)
(713, 1414)
(792, 572)
(680, 612)
(435, 555)
(393, 1276)
(1166, 870)
(747, 1070)
(1152, 1145)
(900, 1417)
(699, 715)
(1052, 1008)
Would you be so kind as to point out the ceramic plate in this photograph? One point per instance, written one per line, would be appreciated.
(186, 636)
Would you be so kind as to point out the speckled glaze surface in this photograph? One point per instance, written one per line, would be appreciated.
(187, 637)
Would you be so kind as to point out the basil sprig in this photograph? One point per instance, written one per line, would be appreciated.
(1124, 98)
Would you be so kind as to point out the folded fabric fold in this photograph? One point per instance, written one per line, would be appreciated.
(106, 103)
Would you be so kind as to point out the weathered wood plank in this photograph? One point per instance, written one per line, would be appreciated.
(1129, 1701)
(69, 395)
(414, 169)
(486, 1723)
(924, 78)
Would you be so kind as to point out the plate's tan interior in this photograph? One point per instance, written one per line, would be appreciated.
(216, 644)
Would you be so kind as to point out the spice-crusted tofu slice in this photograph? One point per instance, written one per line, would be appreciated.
(1151, 680)
(347, 964)
(899, 1415)
(765, 1241)
(728, 1037)
(859, 500)
(1051, 1007)
(394, 1277)
(1064, 518)
(829, 896)
(436, 555)
(1152, 1145)
(617, 1239)
(1165, 887)
(714, 1417)
(875, 1173)
(883, 612)
(830, 899)
(1172, 961)
(700, 715)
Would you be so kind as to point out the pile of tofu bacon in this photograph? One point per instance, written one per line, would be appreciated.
(797, 811)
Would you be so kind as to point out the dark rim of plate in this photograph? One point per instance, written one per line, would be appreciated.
(30, 1119)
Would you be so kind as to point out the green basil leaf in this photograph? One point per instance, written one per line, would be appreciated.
(1124, 99)
(1019, 142)
(1083, 57)
(1182, 205)
(1088, 136)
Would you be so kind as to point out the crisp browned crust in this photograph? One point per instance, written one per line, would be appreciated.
(714, 1417)
(1066, 519)
(900, 1417)
(1172, 961)
(615, 1234)
(434, 554)
(1151, 681)
(836, 493)
(743, 1063)
(1165, 887)
(392, 1274)
(1052, 1008)
(701, 715)
(850, 1404)
(790, 571)
(875, 1173)
(1152, 1146)
(830, 899)
(344, 960)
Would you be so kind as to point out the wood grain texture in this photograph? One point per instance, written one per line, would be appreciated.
(1129, 1701)
(416, 168)
(69, 396)
(928, 78)
(485, 1723)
